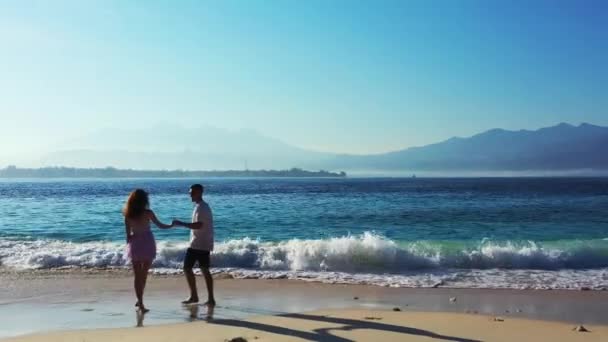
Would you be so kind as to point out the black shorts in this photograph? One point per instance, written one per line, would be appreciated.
(194, 255)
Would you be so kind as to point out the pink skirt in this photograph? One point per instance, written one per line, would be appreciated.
(142, 247)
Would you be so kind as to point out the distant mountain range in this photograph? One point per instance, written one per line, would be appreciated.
(558, 148)
(563, 147)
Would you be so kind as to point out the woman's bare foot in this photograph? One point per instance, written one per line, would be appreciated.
(142, 309)
(210, 303)
(190, 300)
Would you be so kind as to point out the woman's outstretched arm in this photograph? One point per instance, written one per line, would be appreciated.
(157, 222)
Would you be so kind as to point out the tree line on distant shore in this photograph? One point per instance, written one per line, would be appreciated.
(111, 172)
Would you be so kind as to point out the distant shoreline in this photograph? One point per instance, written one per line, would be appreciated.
(111, 172)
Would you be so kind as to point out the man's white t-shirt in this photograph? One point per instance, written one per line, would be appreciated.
(202, 239)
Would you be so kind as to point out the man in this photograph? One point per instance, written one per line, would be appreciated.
(201, 245)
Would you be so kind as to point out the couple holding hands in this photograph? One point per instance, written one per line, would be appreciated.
(141, 246)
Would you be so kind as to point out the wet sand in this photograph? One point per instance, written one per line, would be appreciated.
(341, 326)
(40, 302)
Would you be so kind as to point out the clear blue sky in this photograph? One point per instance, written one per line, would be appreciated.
(348, 76)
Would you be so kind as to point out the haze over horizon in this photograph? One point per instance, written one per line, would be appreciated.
(117, 138)
(562, 149)
(328, 77)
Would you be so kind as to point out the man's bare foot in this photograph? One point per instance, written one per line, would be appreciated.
(190, 301)
(142, 309)
(210, 303)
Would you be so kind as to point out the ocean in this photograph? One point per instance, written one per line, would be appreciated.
(401, 232)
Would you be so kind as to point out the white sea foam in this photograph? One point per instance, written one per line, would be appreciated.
(367, 259)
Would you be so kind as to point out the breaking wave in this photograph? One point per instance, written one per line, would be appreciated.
(366, 258)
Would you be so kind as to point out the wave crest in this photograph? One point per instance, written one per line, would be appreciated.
(368, 252)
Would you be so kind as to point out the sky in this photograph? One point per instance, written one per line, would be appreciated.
(342, 76)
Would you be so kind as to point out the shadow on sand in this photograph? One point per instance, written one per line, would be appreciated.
(324, 334)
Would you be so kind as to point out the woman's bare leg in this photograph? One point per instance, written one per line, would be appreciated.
(143, 268)
(137, 283)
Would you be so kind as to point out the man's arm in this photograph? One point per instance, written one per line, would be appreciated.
(195, 225)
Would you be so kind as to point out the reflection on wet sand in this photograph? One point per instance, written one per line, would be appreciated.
(139, 317)
(195, 310)
(192, 310)
(210, 310)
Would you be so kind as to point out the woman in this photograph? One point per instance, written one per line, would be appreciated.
(141, 247)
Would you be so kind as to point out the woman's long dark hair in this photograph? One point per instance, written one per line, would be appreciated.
(137, 204)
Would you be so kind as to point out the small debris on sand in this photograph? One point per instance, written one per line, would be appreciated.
(372, 318)
(453, 299)
(236, 339)
(396, 309)
(580, 328)
(520, 310)
(585, 288)
(499, 319)
(356, 298)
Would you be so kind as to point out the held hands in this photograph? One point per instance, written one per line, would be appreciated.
(177, 223)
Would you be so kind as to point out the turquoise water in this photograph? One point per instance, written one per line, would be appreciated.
(420, 229)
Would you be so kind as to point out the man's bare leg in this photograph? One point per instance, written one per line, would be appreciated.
(209, 282)
(192, 285)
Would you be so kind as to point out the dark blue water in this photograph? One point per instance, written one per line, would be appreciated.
(281, 209)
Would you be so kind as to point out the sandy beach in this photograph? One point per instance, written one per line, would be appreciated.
(95, 306)
(343, 326)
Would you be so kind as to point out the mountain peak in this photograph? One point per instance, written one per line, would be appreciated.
(583, 125)
(564, 125)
